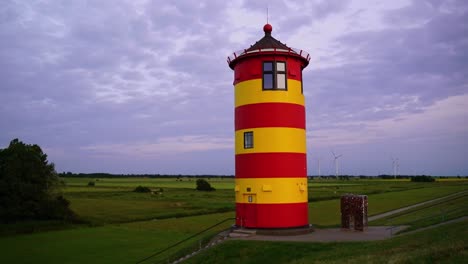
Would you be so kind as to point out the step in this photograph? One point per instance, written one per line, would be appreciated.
(239, 235)
(245, 231)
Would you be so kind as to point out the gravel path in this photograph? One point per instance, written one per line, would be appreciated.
(333, 234)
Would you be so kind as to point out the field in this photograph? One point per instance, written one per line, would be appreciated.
(446, 244)
(121, 226)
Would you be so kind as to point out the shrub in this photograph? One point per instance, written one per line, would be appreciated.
(203, 185)
(91, 183)
(422, 178)
(142, 189)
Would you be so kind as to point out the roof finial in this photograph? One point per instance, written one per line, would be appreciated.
(267, 28)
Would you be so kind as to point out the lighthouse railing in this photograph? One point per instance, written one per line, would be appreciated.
(295, 51)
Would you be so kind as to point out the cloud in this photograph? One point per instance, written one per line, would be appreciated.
(403, 127)
(391, 71)
(162, 147)
(142, 76)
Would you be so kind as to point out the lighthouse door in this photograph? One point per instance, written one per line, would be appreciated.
(250, 210)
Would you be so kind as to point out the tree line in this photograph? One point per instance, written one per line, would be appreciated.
(110, 175)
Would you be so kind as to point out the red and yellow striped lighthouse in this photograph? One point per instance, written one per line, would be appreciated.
(270, 137)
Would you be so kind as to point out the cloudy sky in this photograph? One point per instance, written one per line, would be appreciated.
(141, 86)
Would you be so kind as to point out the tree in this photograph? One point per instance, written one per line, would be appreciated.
(29, 185)
(203, 185)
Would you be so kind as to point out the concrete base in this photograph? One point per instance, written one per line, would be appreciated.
(295, 231)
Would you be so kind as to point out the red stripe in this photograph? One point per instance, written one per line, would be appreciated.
(251, 68)
(271, 165)
(272, 215)
(270, 115)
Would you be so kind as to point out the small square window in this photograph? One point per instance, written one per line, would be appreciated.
(281, 81)
(268, 66)
(248, 140)
(280, 67)
(268, 81)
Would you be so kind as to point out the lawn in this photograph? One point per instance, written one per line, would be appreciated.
(117, 243)
(123, 205)
(124, 226)
(183, 182)
(445, 244)
(327, 213)
(429, 214)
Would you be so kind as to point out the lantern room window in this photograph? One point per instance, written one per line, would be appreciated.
(274, 75)
(248, 140)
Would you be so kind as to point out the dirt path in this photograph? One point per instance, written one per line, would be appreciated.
(375, 217)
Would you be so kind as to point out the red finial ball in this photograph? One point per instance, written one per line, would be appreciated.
(267, 28)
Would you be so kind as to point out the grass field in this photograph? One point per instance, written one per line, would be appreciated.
(429, 214)
(123, 226)
(123, 205)
(445, 244)
(104, 202)
(116, 243)
(183, 182)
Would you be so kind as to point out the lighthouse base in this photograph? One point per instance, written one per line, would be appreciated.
(294, 231)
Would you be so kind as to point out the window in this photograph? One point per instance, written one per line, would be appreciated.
(274, 75)
(248, 139)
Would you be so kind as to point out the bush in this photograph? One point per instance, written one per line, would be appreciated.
(203, 185)
(422, 178)
(142, 189)
(91, 183)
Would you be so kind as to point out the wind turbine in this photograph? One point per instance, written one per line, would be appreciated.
(318, 161)
(395, 166)
(398, 167)
(336, 162)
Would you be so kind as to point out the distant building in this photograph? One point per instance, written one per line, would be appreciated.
(270, 135)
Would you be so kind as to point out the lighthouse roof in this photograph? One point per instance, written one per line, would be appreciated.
(268, 41)
(268, 45)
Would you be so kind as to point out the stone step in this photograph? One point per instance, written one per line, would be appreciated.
(239, 235)
(245, 231)
(241, 232)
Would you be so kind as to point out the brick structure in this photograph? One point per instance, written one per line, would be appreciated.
(354, 211)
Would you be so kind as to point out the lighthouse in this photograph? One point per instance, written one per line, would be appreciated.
(270, 135)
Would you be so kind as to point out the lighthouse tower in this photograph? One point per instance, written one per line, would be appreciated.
(270, 135)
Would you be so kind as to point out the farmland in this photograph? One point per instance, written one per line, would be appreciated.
(121, 226)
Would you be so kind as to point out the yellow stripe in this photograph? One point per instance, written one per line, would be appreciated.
(250, 92)
(271, 190)
(273, 139)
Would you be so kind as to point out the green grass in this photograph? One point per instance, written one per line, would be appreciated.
(445, 244)
(124, 205)
(123, 236)
(320, 190)
(125, 243)
(389, 201)
(187, 182)
(327, 213)
(430, 214)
